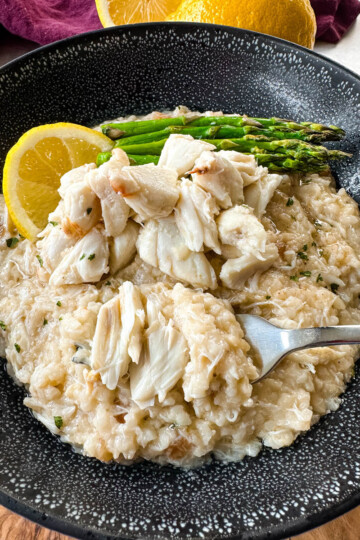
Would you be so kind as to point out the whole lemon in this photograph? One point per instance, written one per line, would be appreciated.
(293, 20)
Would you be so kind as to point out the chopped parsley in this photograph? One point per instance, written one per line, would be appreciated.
(88, 211)
(17, 347)
(267, 297)
(302, 256)
(313, 244)
(2, 325)
(58, 421)
(39, 259)
(307, 273)
(319, 278)
(45, 322)
(305, 246)
(321, 252)
(58, 303)
(60, 318)
(54, 223)
(108, 283)
(290, 202)
(334, 287)
(294, 278)
(82, 257)
(11, 242)
(91, 257)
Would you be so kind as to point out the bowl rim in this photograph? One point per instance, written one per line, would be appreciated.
(62, 525)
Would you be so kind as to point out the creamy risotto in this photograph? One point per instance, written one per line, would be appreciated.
(120, 319)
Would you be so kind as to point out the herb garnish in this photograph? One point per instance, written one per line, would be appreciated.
(2, 325)
(39, 259)
(58, 421)
(294, 278)
(108, 283)
(54, 223)
(45, 322)
(91, 257)
(58, 303)
(267, 297)
(303, 256)
(82, 257)
(334, 287)
(290, 202)
(319, 278)
(88, 211)
(307, 273)
(313, 244)
(17, 347)
(11, 242)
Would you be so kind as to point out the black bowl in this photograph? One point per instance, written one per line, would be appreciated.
(137, 69)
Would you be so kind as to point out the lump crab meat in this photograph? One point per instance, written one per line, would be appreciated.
(161, 245)
(150, 191)
(219, 177)
(181, 151)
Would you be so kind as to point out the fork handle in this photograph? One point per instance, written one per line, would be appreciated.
(305, 338)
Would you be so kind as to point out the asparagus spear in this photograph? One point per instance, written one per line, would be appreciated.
(142, 159)
(332, 131)
(249, 144)
(222, 132)
(116, 130)
(102, 157)
(274, 162)
(196, 132)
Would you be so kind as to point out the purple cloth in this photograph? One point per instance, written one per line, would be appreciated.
(334, 18)
(44, 21)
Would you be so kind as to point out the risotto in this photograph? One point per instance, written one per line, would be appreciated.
(120, 319)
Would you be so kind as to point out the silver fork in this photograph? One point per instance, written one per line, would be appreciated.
(272, 344)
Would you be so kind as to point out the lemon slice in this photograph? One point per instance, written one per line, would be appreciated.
(116, 12)
(35, 164)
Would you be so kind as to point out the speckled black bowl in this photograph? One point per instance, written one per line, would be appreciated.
(137, 69)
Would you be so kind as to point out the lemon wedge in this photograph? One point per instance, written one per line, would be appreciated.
(116, 12)
(35, 164)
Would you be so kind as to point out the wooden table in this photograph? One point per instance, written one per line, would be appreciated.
(14, 527)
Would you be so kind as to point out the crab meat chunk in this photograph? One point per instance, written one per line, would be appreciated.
(118, 335)
(85, 262)
(81, 209)
(194, 215)
(115, 211)
(163, 359)
(151, 191)
(219, 177)
(161, 245)
(181, 151)
(240, 229)
(260, 193)
(245, 164)
(73, 177)
(235, 272)
(53, 246)
(123, 247)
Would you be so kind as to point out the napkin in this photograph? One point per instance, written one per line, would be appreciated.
(44, 21)
(334, 18)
